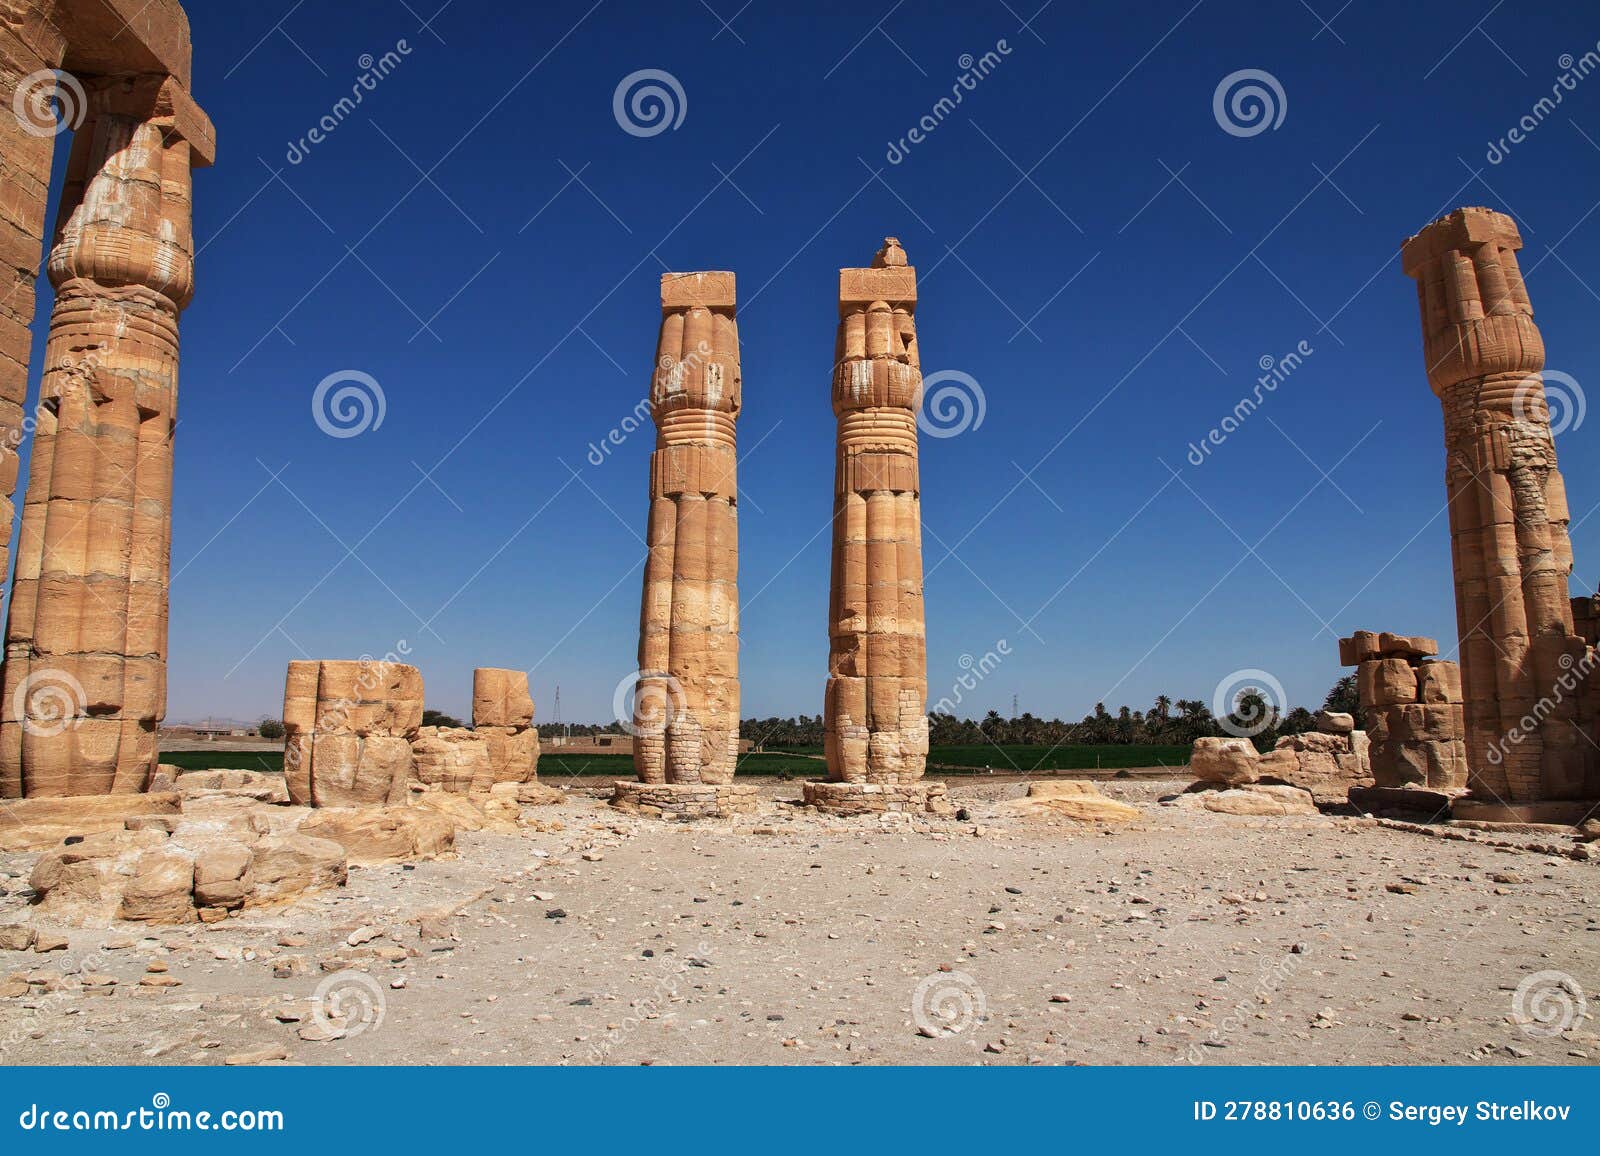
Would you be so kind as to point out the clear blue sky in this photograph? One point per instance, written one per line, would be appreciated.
(483, 238)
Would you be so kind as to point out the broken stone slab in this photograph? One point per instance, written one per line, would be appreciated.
(1270, 800)
(1075, 799)
(38, 823)
(1225, 760)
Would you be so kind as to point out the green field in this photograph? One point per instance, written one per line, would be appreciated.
(1025, 759)
(789, 763)
(224, 760)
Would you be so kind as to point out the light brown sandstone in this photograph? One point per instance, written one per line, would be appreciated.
(502, 714)
(348, 727)
(1414, 716)
(1075, 799)
(875, 707)
(84, 684)
(686, 701)
(1508, 516)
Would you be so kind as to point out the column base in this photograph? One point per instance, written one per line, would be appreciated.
(877, 798)
(1559, 813)
(1407, 802)
(685, 802)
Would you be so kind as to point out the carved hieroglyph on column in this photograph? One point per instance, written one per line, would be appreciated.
(86, 639)
(686, 702)
(1508, 512)
(875, 707)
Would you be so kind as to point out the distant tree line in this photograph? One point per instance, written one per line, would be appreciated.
(1168, 722)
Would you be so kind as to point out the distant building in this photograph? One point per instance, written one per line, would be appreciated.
(202, 734)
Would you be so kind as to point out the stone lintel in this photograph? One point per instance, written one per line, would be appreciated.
(896, 285)
(707, 290)
(118, 37)
(160, 99)
(1461, 229)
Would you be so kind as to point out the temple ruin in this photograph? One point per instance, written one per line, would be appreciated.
(875, 707)
(686, 696)
(1526, 702)
(84, 685)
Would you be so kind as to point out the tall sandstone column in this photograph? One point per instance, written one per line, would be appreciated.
(1508, 515)
(875, 707)
(88, 615)
(686, 702)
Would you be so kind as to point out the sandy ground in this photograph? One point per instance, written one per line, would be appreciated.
(1186, 938)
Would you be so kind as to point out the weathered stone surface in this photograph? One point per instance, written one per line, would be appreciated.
(686, 801)
(500, 698)
(34, 824)
(1335, 722)
(1414, 716)
(453, 759)
(877, 798)
(875, 704)
(1225, 760)
(1075, 799)
(285, 866)
(686, 699)
(1325, 764)
(83, 688)
(348, 729)
(374, 835)
(1257, 799)
(262, 786)
(1529, 722)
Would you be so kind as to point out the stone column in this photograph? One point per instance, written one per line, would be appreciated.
(28, 51)
(875, 706)
(686, 701)
(86, 639)
(1508, 513)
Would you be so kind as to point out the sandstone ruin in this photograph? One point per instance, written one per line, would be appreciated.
(1411, 703)
(348, 728)
(1519, 646)
(1326, 764)
(875, 707)
(84, 684)
(686, 698)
